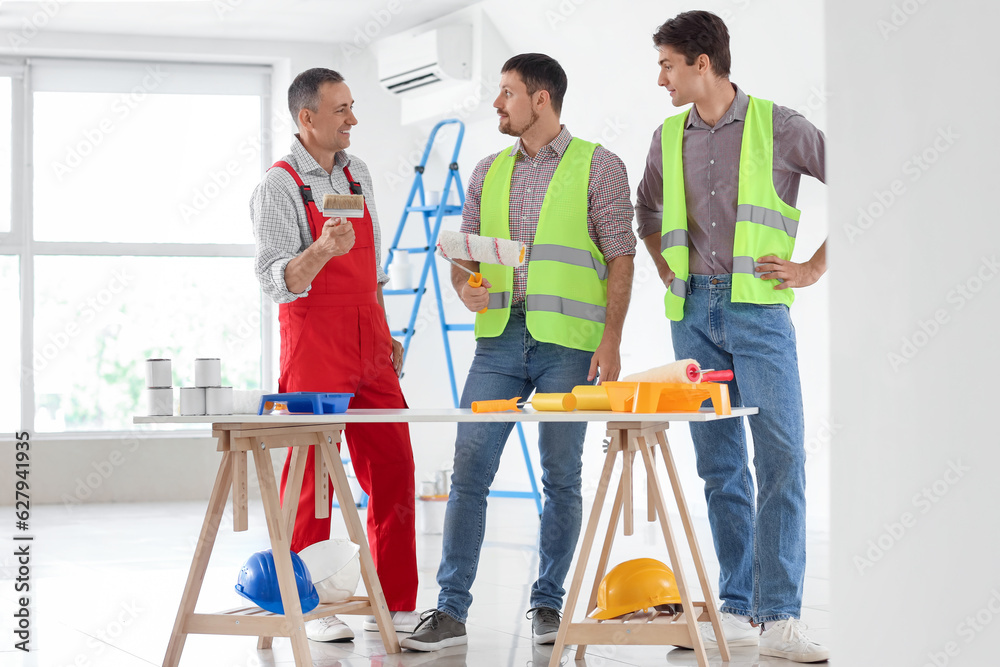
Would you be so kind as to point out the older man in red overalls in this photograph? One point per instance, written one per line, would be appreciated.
(325, 275)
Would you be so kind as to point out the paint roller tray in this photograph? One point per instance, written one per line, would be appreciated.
(667, 396)
(305, 402)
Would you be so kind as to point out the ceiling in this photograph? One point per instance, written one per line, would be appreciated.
(280, 20)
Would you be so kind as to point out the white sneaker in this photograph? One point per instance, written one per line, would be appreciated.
(786, 639)
(737, 632)
(403, 621)
(328, 629)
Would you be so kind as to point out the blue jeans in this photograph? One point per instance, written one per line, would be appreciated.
(513, 364)
(762, 553)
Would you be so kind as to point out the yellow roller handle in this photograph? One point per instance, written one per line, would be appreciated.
(502, 405)
(476, 280)
(554, 402)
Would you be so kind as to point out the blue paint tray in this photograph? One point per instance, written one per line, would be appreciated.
(305, 402)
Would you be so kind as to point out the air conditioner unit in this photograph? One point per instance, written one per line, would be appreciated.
(427, 60)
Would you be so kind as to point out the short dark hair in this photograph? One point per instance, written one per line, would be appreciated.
(304, 91)
(540, 72)
(694, 33)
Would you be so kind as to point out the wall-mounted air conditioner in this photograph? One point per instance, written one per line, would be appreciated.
(420, 63)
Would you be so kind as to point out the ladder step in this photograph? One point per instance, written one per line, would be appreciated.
(447, 210)
(460, 327)
(422, 248)
(410, 292)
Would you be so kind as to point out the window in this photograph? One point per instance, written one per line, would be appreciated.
(137, 241)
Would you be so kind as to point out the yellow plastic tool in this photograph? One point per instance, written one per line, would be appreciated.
(540, 402)
(589, 397)
(475, 280)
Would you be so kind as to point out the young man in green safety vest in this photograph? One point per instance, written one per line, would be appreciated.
(550, 325)
(716, 210)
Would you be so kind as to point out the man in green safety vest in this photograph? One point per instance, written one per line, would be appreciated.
(549, 325)
(716, 210)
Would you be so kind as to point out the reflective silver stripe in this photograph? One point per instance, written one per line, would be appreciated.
(673, 238)
(557, 304)
(679, 287)
(499, 300)
(745, 265)
(767, 217)
(574, 256)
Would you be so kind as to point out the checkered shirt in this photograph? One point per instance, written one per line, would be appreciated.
(280, 225)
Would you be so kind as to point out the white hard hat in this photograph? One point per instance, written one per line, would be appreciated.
(335, 568)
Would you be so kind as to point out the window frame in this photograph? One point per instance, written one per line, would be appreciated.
(19, 241)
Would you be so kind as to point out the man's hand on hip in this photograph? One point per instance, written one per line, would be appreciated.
(790, 273)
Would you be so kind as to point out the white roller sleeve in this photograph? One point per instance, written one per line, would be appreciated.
(484, 249)
(675, 371)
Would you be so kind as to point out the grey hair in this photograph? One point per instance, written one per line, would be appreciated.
(304, 91)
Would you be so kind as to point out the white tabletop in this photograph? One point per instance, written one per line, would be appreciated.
(451, 415)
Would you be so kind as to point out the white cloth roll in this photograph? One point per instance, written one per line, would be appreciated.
(207, 373)
(160, 401)
(219, 400)
(192, 401)
(158, 373)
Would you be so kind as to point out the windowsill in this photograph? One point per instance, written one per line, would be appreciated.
(193, 434)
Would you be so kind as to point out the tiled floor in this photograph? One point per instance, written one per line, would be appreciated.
(106, 581)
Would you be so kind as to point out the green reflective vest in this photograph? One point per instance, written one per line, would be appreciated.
(567, 291)
(765, 225)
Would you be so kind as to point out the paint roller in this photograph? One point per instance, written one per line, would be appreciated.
(685, 371)
(540, 402)
(482, 249)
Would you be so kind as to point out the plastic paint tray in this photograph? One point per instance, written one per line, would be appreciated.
(305, 402)
(667, 396)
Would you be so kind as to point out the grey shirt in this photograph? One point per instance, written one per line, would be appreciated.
(711, 177)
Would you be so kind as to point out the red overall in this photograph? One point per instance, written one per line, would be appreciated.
(336, 340)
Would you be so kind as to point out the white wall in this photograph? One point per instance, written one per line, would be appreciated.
(612, 98)
(915, 540)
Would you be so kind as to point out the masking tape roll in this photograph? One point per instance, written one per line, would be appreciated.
(219, 400)
(589, 397)
(158, 373)
(160, 401)
(554, 402)
(207, 372)
(192, 401)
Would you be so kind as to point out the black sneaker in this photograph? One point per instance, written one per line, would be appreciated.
(436, 630)
(544, 624)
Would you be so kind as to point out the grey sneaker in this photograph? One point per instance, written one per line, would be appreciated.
(436, 630)
(544, 624)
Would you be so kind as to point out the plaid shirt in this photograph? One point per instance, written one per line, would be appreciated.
(280, 225)
(609, 208)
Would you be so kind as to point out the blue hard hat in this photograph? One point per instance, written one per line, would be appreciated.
(258, 582)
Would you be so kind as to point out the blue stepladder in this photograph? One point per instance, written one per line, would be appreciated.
(432, 214)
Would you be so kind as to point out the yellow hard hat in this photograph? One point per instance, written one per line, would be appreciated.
(636, 584)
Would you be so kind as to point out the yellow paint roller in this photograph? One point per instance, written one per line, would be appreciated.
(540, 402)
(589, 397)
